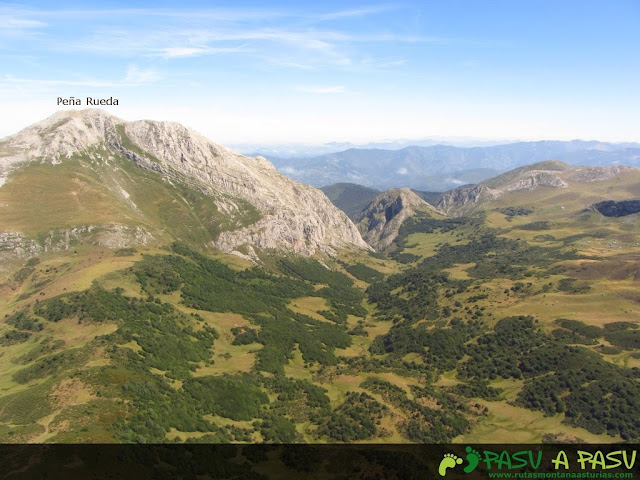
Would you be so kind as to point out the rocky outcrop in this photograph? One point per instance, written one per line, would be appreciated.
(464, 199)
(545, 174)
(380, 222)
(551, 174)
(294, 216)
(598, 174)
(535, 179)
(16, 244)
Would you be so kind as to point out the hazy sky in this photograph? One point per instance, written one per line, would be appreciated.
(271, 72)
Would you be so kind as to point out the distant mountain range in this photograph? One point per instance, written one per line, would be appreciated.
(299, 150)
(443, 167)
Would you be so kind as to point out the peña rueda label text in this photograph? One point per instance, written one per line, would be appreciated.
(89, 101)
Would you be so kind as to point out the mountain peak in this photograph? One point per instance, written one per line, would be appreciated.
(380, 222)
(286, 214)
(60, 135)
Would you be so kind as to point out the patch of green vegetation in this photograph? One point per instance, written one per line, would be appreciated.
(536, 226)
(244, 335)
(22, 274)
(573, 285)
(208, 284)
(46, 346)
(477, 389)
(497, 354)
(575, 331)
(511, 211)
(27, 406)
(94, 305)
(422, 223)
(355, 419)
(13, 337)
(279, 334)
(558, 378)
(403, 257)
(545, 237)
(237, 397)
(164, 335)
(125, 252)
(624, 335)
(23, 321)
(50, 365)
(363, 272)
(276, 429)
(425, 424)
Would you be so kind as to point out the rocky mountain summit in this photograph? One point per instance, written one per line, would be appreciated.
(248, 202)
(380, 221)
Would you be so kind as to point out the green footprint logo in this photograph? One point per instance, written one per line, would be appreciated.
(449, 461)
(473, 459)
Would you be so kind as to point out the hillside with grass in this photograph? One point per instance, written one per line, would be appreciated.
(514, 318)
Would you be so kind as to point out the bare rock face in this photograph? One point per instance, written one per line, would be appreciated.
(535, 179)
(294, 216)
(464, 199)
(15, 244)
(598, 174)
(380, 221)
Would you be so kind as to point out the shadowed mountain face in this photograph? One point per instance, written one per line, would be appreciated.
(93, 175)
(609, 208)
(443, 167)
(350, 198)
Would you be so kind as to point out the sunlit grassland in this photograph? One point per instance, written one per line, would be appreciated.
(59, 196)
(309, 306)
(296, 367)
(226, 357)
(512, 424)
(426, 244)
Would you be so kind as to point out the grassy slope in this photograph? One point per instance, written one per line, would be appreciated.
(68, 404)
(100, 189)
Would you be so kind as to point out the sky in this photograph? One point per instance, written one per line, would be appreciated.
(314, 72)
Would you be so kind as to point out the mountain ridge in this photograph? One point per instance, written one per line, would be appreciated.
(442, 167)
(293, 216)
(551, 174)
